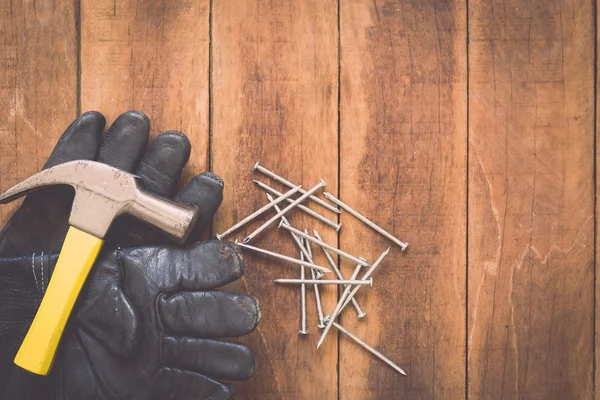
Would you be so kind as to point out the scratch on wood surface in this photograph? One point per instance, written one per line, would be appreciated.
(514, 337)
(30, 125)
(517, 266)
(491, 265)
(554, 249)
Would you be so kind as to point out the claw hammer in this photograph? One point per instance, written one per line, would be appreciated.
(102, 193)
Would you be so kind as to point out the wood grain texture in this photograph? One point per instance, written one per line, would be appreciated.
(38, 78)
(528, 300)
(531, 196)
(403, 160)
(597, 221)
(275, 100)
(150, 56)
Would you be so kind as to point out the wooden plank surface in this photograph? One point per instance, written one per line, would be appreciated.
(275, 100)
(38, 86)
(531, 183)
(596, 376)
(150, 56)
(403, 158)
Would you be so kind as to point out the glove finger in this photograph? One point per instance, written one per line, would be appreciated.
(161, 166)
(219, 360)
(211, 314)
(206, 192)
(175, 384)
(123, 143)
(159, 169)
(204, 266)
(80, 140)
(111, 319)
(74, 361)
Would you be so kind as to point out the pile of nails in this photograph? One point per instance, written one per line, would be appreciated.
(303, 240)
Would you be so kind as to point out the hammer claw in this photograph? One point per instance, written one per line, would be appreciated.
(45, 178)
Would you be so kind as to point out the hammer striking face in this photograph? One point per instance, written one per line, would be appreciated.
(101, 194)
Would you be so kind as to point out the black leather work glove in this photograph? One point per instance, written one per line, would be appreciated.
(147, 321)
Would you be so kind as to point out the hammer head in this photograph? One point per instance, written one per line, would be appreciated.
(102, 193)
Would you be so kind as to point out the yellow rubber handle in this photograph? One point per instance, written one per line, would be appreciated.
(77, 256)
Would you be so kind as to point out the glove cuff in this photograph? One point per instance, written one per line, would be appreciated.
(24, 272)
(21, 285)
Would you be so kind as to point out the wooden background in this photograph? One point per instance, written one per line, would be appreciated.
(465, 127)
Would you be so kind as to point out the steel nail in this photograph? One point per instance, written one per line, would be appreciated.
(282, 257)
(338, 305)
(307, 244)
(302, 207)
(326, 245)
(347, 295)
(368, 222)
(302, 330)
(321, 325)
(299, 242)
(305, 251)
(360, 313)
(284, 181)
(366, 276)
(259, 212)
(369, 348)
(299, 200)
